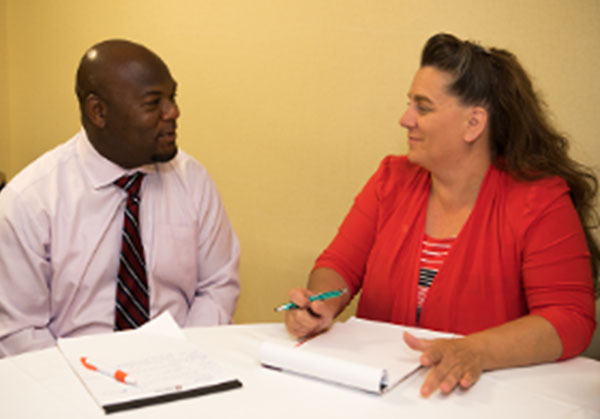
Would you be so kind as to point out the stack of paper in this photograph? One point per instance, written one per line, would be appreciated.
(368, 355)
(161, 365)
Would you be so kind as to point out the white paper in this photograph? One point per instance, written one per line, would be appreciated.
(314, 364)
(164, 325)
(368, 355)
(161, 363)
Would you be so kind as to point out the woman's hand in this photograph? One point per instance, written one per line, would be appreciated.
(456, 362)
(453, 362)
(311, 318)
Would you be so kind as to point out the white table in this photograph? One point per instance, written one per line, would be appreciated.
(42, 385)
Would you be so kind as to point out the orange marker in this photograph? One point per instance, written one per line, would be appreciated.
(117, 375)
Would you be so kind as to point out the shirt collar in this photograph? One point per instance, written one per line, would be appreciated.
(99, 169)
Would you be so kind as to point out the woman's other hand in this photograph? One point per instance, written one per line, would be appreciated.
(459, 362)
(453, 362)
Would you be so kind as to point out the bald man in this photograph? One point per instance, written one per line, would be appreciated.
(64, 266)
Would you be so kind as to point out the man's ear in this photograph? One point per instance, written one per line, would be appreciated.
(476, 123)
(95, 110)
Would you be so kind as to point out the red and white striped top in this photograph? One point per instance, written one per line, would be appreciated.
(433, 254)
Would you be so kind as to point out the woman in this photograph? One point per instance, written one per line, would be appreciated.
(482, 229)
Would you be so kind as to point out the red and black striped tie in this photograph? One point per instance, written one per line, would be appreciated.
(133, 301)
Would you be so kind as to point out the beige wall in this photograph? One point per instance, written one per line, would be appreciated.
(291, 104)
(4, 138)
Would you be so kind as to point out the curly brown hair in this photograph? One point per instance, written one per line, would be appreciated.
(523, 141)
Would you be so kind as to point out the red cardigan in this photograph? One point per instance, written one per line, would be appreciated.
(521, 251)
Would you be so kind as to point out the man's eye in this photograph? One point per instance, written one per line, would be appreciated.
(152, 103)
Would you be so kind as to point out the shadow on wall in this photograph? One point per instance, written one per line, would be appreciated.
(593, 351)
(2, 180)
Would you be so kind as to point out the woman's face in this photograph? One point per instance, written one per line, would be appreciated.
(436, 121)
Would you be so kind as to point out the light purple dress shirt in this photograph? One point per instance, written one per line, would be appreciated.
(60, 237)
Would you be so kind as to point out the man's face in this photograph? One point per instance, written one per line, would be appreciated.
(141, 114)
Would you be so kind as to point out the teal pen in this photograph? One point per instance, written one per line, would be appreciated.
(322, 296)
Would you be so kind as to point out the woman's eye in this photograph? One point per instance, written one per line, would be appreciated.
(422, 108)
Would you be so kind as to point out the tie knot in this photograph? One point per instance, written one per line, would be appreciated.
(131, 183)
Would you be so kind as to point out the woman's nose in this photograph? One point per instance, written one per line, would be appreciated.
(408, 119)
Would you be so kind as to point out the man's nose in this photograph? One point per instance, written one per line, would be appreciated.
(170, 110)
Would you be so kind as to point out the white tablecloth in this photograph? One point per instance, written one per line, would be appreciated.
(41, 384)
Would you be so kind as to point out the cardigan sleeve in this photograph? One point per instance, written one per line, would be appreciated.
(348, 252)
(556, 268)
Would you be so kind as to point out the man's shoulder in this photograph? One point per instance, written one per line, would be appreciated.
(186, 166)
(40, 170)
(186, 181)
(184, 172)
(186, 161)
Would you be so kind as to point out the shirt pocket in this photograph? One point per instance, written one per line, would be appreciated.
(175, 258)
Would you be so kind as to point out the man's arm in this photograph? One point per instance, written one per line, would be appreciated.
(24, 269)
(218, 285)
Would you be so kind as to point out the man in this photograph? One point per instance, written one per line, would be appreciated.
(71, 258)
